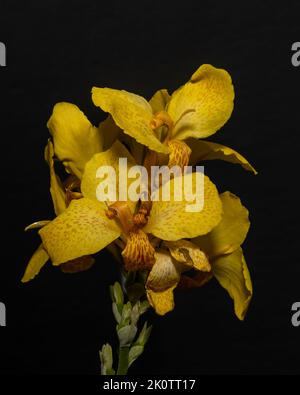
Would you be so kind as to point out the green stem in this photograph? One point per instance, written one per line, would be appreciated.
(123, 360)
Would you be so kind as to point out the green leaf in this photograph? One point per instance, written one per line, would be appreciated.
(134, 352)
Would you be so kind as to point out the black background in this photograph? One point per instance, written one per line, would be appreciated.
(56, 51)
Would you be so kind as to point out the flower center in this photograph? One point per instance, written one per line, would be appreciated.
(161, 118)
(138, 253)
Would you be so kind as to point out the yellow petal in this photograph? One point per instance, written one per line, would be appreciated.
(232, 230)
(205, 150)
(188, 253)
(91, 179)
(110, 132)
(170, 220)
(131, 112)
(37, 261)
(232, 273)
(162, 302)
(57, 190)
(159, 100)
(203, 105)
(82, 229)
(76, 140)
(162, 280)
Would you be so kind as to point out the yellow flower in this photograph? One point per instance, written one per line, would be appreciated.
(75, 141)
(197, 109)
(88, 225)
(217, 253)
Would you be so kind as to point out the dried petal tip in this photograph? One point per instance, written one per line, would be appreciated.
(138, 253)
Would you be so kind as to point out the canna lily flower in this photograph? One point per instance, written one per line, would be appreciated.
(89, 225)
(200, 149)
(218, 254)
(197, 109)
(75, 141)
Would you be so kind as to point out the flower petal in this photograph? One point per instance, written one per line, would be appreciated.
(232, 230)
(162, 301)
(110, 132)
(162, 280)
(91, 180)
(189, 254)
(37, 261)
(205, 150)
(56, 188)
(232, 273)
(76, 140)
(203, 105)
(159, 100)
(131, 112)
(78, 264)
(170, 220)
(82, 229)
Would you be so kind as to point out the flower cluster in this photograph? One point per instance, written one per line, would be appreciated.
(170, 247)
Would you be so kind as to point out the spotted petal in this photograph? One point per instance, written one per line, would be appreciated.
(131, 112)
(203, 105)
(82, 229)
(230, 233)
(171, 220)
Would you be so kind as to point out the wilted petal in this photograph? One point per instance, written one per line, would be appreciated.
(189, 254)
(161, 282)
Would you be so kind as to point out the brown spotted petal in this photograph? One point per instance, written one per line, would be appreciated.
(179, 153)
(161, 282)
(138, 253)
(189, 254)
